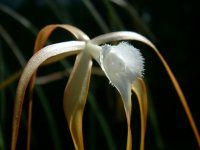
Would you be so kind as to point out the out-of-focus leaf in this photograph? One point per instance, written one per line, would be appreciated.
(136, 20)
(70, 48)
(126, 35)
(2, 140)
(113, 18)
(75, 96)
(3, 103)
(61, 74)
(102, 24)
(140, 90)
(12, 46)
(19, 18)
(102, 122)
(10, 79)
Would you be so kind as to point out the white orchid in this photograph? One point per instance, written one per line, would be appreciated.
(122, 64)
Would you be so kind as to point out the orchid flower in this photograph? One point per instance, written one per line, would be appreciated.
(122, 64)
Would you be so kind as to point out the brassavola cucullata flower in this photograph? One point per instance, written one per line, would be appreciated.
(122, 64)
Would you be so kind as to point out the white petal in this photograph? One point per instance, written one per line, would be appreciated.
(121, 62)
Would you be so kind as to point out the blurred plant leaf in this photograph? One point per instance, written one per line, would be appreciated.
(10, 80)
(102, 122)
(100, 21)
(3, 103)
(152, 116)
(19, 18)
(136, 20)
(58, 11)
(12, 46)
(114, 20)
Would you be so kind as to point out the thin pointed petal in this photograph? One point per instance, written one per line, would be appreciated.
(140, 90)
(40, 42)
(44, 34)
(121, 35)
(75, 96)
(66, 48)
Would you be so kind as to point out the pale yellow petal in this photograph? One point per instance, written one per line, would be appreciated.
(75, 96)
(68, 48)
(139, 88)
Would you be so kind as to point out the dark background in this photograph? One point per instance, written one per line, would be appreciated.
(175, 29)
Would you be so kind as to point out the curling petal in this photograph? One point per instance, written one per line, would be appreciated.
(65, 48)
